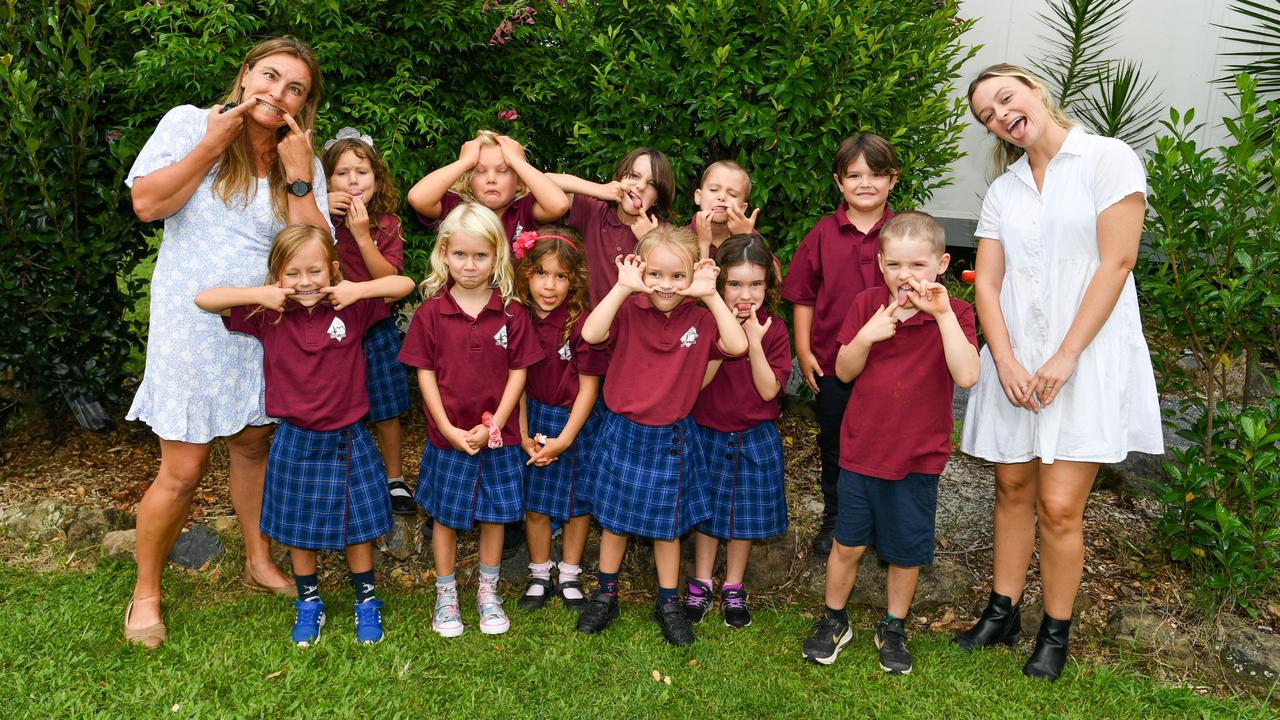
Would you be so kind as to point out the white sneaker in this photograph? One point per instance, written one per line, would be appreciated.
(493, 621)
(446, 621)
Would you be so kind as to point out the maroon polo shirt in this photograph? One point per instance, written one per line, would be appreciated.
(657, 361)
(898, 420)
(471, 357)
(834, 263)
(517, 218)
(731, 403)
(312, 360)
(605, 237)
(386, 235)
(554, 381)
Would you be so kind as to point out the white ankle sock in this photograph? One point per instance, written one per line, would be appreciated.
(542, 571)
(569, 573)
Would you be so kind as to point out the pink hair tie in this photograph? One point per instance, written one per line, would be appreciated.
(527, 239)
(495, 432)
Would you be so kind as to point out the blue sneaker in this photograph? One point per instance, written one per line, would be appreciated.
(369, 622)
(307, 623)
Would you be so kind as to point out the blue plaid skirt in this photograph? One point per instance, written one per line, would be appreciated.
(324, 490)
(748, 501)
(651, 480)
(459, 490)
(386, 377)
(562, 489)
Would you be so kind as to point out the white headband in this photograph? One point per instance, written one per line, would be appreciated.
(349, 133)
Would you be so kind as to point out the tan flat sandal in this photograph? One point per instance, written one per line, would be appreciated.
(149, 637)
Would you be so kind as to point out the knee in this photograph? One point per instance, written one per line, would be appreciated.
(1058, 518)
(1014, 493)
(847, 554)
(179, 478)
(250, 444)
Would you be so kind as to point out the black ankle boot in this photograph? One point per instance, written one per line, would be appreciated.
(1001, 622)
(1050, 653)
(822, 541)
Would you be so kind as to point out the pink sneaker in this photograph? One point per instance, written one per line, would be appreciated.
(493, 621)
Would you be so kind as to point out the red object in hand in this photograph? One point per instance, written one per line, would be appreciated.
(495, 432)
(967, 276)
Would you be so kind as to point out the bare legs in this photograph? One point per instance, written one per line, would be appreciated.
(842, 571)
(1055, 494)
(737, 552)
(390, 437)
(537, 531)
(167, 502)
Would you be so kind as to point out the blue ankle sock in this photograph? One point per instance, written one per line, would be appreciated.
(666, 596)
(608, 582)
(308, 587)
(363, 584)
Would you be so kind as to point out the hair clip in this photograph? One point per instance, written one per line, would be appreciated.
(524, 243)
(349, 133)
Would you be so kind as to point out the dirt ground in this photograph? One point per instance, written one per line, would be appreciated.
(1124, 562)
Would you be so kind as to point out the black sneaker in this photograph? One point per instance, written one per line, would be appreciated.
(401, 499)
(676, 629)
(829, 637)
(697, 605)
(601, 610)
(733, 603)
(891, 641)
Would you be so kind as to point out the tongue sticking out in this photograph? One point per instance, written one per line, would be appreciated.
(902, 296)
(743, 307)
(635, 203)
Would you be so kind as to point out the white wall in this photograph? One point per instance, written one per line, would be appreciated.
(1173, 39)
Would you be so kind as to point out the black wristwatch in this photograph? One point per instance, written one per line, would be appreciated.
(299, 188)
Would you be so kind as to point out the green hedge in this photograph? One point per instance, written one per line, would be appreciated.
(589, 80)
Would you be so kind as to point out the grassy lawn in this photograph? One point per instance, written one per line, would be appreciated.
(228, 655)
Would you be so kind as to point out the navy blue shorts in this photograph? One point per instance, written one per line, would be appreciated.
(894, 516)
(561, 490)
(386, 378)
(324, 490)
(459, 490)
(748, 500)
(651, 480)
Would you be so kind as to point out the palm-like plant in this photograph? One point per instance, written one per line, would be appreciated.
(1265, 41)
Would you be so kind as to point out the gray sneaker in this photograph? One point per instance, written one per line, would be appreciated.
(493, 620)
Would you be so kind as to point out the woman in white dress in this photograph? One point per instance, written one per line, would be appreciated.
(1066, 380)
(224, 180)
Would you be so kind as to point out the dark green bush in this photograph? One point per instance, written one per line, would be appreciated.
(68, 228)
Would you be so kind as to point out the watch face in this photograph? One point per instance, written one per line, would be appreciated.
(299, 187)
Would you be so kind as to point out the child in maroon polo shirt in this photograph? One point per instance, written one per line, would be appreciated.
(472, 343)
(362, 205)
(651, 474)
(557, 422)
(909, 345)
(491, 170)
(835, 262)
(735, 414)
(613, 216)
(325, 485)
(721, 198)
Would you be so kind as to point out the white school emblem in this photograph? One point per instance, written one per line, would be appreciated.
(689, 337)
(500, 339)
(565, 353)
(337, 330)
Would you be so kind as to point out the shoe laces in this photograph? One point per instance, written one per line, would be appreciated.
(309, 612)
(487, 593)
(734, 599)
(698, 600)
(893, 635)
(447, 607)
(826, 626)
(369, 612)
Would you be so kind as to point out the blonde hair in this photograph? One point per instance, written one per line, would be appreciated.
(479, 221)
(1006, 153)
(237, 176)
(917, 226)
(728, 165)
(288, 243)
(462, 186)
(679, 240)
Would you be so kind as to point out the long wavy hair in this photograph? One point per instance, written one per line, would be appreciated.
(386, 198)
(478, 221)
(750, 250)
(572, 262)
(1006, 153)
(236, 177)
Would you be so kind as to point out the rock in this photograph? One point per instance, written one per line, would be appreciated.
(1247, 655)
(943, 584)
(227, 527)
(91, 525)
(402, 540)
(771, 560)
(1136, 627)
(196, 547)
(120, 544)
(39, 520)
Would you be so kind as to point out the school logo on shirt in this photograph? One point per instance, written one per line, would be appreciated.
(337, 329)
(500, 339)
(565, 353)
(689, 337)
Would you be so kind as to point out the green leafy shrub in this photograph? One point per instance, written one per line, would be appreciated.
(68, 228)
(1213, 286)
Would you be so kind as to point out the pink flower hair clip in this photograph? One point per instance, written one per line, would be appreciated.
(524, 243)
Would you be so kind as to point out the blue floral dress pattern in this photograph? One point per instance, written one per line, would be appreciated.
(201, 381)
